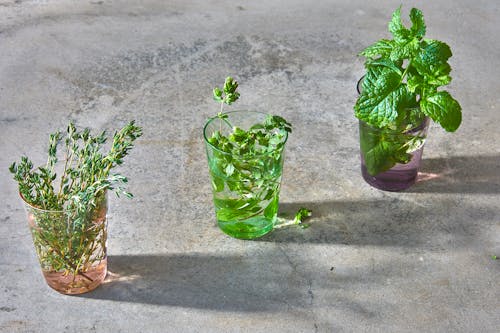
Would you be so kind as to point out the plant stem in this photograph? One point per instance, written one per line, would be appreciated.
(405, 71)
(285, 223)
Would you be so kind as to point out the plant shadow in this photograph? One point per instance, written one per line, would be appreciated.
(246, 283)
(393, 221)
(460, 174)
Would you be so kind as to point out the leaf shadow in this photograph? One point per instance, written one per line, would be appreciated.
(459, 174)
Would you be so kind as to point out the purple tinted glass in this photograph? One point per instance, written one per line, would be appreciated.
(400, 176)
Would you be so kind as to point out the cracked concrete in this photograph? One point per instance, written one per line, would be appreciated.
(371, 261)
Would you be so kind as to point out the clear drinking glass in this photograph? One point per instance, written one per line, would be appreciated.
(246, 207)
(392, 176)
(71, 248)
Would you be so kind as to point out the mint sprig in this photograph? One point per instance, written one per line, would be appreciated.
(404, 75)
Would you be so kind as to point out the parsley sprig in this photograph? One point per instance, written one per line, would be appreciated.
(401, 87)
(300, 217)
(246, 162)
(228, 94)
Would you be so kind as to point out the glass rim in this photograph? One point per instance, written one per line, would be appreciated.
(31, 206)
(231, 112)
(360, 82)
(61, 211)
(425, 123)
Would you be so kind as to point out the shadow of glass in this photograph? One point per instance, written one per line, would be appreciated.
(391, 222)
(460, 174)
(267, 282)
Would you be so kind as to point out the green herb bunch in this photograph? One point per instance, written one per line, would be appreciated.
(67, 211)
(401, 88)
(245, 162)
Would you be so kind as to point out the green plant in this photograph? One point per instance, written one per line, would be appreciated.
(245, 162)
(66, 212)
(400, 88)
(301, 215)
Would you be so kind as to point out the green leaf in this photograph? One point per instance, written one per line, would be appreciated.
(407, 41)
(405, 49)
(396, 27)
(229, 170)
(217, 183)
(272, 208)
(414, 82)
(384, 62)
(217, 94)
(302, 214)
(230, 85)
(236, 209)
(13, 168)
(429, 67)
(228, 94)
(381, 48)
(433, 52)
(443, 109)
(381, 98)
(272, 122)
(418, 25)
(380, 158)
(382, 149)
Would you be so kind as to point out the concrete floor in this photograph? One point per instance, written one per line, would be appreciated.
(418, 261)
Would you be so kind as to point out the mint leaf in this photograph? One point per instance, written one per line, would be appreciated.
(396, 27)
(433, 52)
(382, 157)
(407, 41)
(414, 82)
(431, 63)
(384, 62)
(381, 48)
(405, 49)
(418, 24)
(381, 97)
(443, 109)
(382, 149)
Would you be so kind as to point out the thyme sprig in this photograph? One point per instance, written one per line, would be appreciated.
(86, 169)
(68, 213)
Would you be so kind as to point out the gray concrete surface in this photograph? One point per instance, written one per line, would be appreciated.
(418, 261)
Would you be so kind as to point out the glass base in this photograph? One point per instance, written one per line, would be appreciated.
(251, 228)
(392, 180)
(70, 284)
(400, 177)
